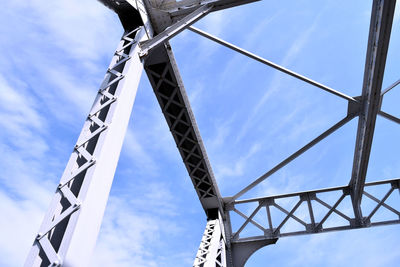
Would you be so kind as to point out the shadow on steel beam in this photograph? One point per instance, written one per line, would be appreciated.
(242, 251)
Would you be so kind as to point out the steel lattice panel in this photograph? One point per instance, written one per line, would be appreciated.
(220, 246)
(168, 88)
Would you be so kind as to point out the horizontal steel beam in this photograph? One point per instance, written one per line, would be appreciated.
(271, 227)
(322, 190)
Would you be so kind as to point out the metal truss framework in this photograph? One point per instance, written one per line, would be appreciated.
(212, 250)
(313, 205)
(78, 205)
(71, 225)
(164, 77)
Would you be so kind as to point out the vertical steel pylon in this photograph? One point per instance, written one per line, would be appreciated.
(70, 228)
(212, 246)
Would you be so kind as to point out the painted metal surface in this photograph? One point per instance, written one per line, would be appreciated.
(378, 42)
(69, 231)
(168, 87)
(211, 251)
(175, 28)
(312, 204)
(70, 228)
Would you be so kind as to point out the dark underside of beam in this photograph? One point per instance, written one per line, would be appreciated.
(165, 79)
(128, 15)
(182, 8)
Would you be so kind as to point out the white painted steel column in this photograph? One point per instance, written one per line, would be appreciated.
(69, 231)
(211, 252)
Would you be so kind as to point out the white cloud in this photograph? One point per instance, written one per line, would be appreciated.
(138, 154)
(56, 40)
(94, 26)
(124, 236)
(275, 84)
(133, 229)
(20, 220)
(25, 179)
(342, 251)
(233, 168)
(36, 90)
(25, 144)
(25, 185)
(251, 41)
(51, 56)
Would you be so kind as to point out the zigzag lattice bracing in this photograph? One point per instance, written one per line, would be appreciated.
(227, 241)
(272, 214)
(212, 247)
(167, 92)
(168, 88)
(73, 185)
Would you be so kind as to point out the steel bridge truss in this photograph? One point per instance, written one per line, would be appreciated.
(313, 206)
(70, 228)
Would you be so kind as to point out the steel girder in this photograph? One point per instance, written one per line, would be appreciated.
(127, 11)
(59, 240)
(316, 212)
(165, 13)
(378, 42)
(168, 87)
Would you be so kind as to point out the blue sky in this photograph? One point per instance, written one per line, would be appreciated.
(53, 56)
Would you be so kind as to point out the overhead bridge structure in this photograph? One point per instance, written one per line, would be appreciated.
(69, 230)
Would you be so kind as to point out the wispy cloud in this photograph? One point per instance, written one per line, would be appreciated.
(19, 222)
(129, 231)
(48, 28)
(139, 156)
(41, 97)
(225, 170)
(340, 252)
(23, 119)
(275, 84)
(52, 60)
(251, 39)
(25, 181)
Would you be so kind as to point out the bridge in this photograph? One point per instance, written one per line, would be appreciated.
(81, 196)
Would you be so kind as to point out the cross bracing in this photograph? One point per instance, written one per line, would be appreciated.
(168, 88)
(311, 201)
(145, 43)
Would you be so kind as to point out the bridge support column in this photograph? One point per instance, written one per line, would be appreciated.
(212, 250)
(69, 230)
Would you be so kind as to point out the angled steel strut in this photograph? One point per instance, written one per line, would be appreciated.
(71, 225)
(164, 77)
